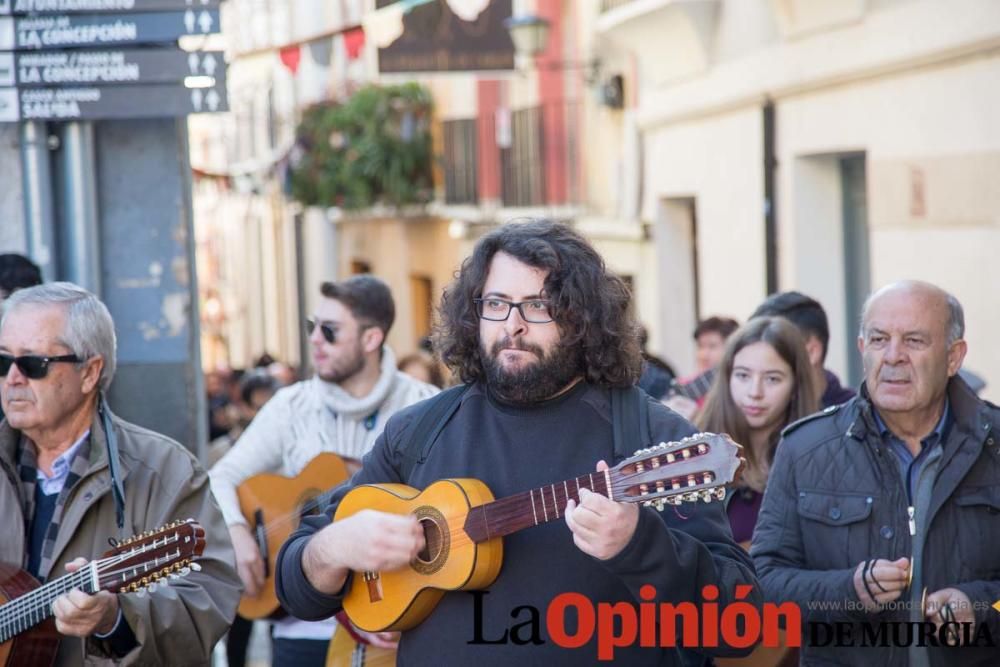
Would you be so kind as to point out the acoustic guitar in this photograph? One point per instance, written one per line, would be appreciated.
(273, 506)
(464, 526)
(696, 388)
(346, 651)
(27, 630)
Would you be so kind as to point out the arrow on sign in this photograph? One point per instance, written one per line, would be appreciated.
(196, 99)
(205, 21)
(209, 65)
(996, 605)
(189, 20)
(193, 63)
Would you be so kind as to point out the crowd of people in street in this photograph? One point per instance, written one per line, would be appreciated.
(861, 505)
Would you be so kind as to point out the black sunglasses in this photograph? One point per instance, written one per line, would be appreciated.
(32, 366)
(329, 333)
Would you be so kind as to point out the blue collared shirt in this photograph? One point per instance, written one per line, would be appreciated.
(60, 469)
(909, 465)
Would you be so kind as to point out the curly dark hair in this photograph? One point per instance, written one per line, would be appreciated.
(589, 305)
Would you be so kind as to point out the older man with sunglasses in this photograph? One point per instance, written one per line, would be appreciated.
(75, 476)
(341, 409)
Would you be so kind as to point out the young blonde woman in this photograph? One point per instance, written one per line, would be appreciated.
(764, 384)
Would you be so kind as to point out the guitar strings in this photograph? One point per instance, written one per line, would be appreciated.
(508, 511)
(514, 507)
(38, 599)
(320, 501)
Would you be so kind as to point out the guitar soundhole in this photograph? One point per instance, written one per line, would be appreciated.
(307, 503)
(432, 541)
(437, 541)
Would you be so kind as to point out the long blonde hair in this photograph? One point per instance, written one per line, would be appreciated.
(722, 415)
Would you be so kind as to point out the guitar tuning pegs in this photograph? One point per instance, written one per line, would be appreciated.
(196, 567)
(141, 593)
(185, 571)
(152, 587)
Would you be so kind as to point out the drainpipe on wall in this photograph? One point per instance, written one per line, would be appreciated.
(770, 199)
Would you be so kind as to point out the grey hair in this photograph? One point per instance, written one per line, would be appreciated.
(956, 314)
(89, 330)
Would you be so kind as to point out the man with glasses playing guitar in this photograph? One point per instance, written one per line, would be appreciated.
(541, 333)
(340, 410)
(76, 477)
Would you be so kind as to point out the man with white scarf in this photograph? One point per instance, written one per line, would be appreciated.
(341, 409)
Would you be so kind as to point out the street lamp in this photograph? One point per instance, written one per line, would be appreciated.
(530, 35)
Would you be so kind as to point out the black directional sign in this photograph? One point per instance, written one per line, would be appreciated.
(91, 30)
(112, 66)
(99, 102)
(95, 6)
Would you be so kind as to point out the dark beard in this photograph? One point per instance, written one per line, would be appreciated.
(352, 367)
(535, 382)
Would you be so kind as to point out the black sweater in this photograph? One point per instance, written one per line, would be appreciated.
(513, 449)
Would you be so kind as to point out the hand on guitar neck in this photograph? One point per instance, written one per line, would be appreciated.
(369, 541)
(78, 614)
(601, 527)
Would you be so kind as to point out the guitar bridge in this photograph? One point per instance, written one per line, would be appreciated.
(374, 584)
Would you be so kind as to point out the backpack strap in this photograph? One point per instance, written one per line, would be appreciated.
(629, 421)
(421, 436)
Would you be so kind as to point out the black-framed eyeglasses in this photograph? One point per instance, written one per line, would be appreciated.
(34, 367)
(536, 311)
(325, 328)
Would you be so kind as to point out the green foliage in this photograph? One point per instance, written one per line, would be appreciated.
(373, 148)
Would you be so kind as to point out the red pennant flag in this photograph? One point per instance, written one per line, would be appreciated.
(290, 57)
(354, 41)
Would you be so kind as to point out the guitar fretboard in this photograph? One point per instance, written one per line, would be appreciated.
(29, 610)
(530, 508)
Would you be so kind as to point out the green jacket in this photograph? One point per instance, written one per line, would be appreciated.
(178, 624)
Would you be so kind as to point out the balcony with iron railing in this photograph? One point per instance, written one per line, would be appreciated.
(523, 158)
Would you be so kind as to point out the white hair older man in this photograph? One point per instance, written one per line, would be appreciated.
(63, 454)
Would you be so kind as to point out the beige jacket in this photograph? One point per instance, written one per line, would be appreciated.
(178, 624)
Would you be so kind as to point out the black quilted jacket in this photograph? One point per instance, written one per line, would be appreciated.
(835, 498)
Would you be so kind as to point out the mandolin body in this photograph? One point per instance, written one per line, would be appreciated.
(451, 561)
(37, 646)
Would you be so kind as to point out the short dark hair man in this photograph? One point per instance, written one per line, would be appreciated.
(17, 272)
(541, 331)
(892, 495)
(341, 409)
(808, 315)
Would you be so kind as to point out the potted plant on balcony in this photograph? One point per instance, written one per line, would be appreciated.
(372, 149)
